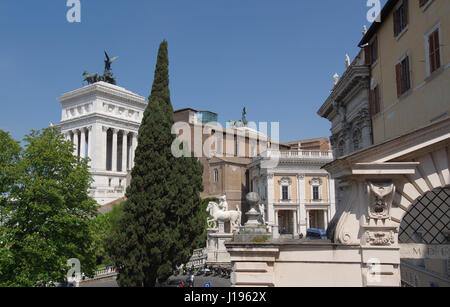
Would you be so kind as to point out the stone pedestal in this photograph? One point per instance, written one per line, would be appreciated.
(253, 231)
(217, 254)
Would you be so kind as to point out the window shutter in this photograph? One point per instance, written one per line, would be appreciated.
(396, 23)
(407, 74)
(437, 53)
(367, 55)
(405, 12)
(372, 102)
(398, 72)
(375, 49)
(376, 93)
(431, 52)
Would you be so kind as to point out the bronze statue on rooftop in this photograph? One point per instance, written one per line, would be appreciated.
(107, 74)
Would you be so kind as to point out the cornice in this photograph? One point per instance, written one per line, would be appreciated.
(103, 89)
(390, 150)
(352, 80)
(98, 117)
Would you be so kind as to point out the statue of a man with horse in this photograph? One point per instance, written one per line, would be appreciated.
(219, 213)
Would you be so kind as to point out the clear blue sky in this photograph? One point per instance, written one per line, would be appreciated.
(277, 58)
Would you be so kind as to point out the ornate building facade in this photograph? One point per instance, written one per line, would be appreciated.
(102, 120)
(348, 110)
(296, 193)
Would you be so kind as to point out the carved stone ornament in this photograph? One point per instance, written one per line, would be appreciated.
(316, 182)
(285, 181)
(380, 238)
(380, 199)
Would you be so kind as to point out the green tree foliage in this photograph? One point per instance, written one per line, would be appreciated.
(103, 228)
(47, 212)
(203, 216)
(160, 222)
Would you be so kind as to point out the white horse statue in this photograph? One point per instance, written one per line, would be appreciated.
(218, 215)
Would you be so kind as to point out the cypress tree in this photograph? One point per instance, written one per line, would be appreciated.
(160, 222)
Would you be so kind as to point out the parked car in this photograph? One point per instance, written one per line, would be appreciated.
(316, 234)
(207, 272)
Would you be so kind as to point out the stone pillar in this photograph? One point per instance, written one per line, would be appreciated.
(325, 219)
(133, 148)
(270, 200)
(366, 135)
(332, 197)
(114, 151)
(307, 219)
(294, 213)
(275, 227)
(75, 142)
(103, 160)
(89, 144)
(302, 200)
(83, 143)
(124, 151)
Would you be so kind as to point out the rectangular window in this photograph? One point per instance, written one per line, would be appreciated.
(434, 51)
(371, 52)
(315, 193)
(403, 76)
(422, 3)
(401, 18)
(216, 175)
(375, 104)
(285, 190)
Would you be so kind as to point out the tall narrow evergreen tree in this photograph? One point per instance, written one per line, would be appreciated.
(160, 222)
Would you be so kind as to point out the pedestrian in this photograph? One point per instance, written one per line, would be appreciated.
(191, 280)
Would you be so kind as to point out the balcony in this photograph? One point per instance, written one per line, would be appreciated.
(299, 154)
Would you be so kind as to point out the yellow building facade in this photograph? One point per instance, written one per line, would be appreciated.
(424, 98)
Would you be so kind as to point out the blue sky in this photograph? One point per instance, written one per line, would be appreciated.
(277, 58)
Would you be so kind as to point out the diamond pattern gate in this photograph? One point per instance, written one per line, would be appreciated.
(428, 220)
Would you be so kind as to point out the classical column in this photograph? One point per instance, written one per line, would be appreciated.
(307, 219)
(133, 148)
(302, 209)
(270, 199)
(103, 162)
(89, 143)
(276, 227)
(332, 197)
(325, 219)
(366, 128)
(124, 150)
(75, 142)
(83, 143)
(294, 214)
(114, 151)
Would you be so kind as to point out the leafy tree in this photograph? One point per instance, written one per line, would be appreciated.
(160, 222)
(9, 156)
(48, 213)
(203, 216)
(103, 228)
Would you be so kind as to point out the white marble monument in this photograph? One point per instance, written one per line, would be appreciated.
(103, 121)
(223, 224)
